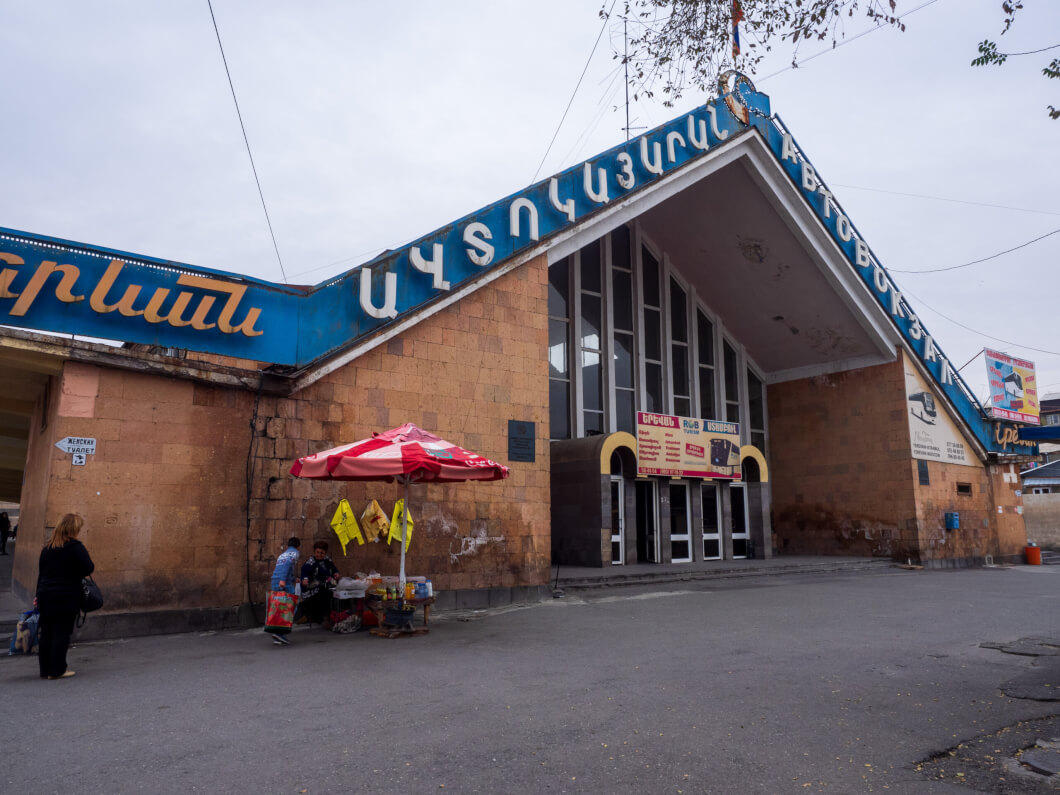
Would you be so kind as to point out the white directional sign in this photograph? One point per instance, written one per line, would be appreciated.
(77, 444)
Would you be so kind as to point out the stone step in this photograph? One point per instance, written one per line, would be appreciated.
(619, 579)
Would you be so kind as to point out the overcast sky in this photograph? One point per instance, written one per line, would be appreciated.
(372, 126)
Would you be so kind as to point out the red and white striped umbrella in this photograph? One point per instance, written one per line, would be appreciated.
(406, 454)
(402, 453)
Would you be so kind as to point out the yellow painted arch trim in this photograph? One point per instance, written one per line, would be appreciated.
(612, 443)
(750, 451)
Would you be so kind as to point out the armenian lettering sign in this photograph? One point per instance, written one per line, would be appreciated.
(58, 285)
(1013, 388)
(687, 447)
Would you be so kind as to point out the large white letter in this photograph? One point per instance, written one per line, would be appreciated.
(843, 228)
(931, 353)
(787, 151)
(432, 267)
(513, 217)
(896, 303)
(916, 331)
(627, 179)
(653, 165)
(671, 139)
(880, 277)
(698, 141)
(864, 259)
(947, 371)
(600, 197)
(827, 194)
(553, 196)
(476, 235)
(389, 295)
(721, 136)
(809, 177)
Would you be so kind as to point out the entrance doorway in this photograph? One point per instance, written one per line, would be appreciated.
(618, 521)
(647, 521)
(680, 518)
(741, 538)
(711, 521)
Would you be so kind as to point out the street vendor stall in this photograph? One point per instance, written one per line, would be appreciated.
(407, 454)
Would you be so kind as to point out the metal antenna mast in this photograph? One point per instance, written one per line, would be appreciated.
(625, 66)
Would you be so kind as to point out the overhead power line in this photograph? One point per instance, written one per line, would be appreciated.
(855, 37)
(599, 36)
(984, 259)
(253, 168)
(977, 331)
(945, 199)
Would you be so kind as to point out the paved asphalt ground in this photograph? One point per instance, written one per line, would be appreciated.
(835, 683)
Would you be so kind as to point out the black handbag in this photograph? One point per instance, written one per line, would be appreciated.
(91, 597)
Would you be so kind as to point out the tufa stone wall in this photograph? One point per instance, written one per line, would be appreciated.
(461, 374)
(984, 529)
(163, 496)
(33, 507)
(840, 465)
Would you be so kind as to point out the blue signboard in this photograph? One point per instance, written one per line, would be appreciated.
(57, 285)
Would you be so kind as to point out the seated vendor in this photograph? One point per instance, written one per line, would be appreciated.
(319, 576)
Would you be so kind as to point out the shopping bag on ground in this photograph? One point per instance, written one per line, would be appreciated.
(344, 523)
(395, 525)
(279, 613)
(24, 639)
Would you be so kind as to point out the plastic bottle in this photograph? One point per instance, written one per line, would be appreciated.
(430, 589)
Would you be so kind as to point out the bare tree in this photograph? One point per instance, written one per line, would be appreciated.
(680, 44)
(677, 44)
(989, 55)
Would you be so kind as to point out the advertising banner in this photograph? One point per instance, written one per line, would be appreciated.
(1013, 388)
(933, 436)
(686, 447)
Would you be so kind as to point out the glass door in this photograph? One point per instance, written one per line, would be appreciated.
(618, 522)
(711, 522)
(647, 521)
(741, 538)
(680, 531)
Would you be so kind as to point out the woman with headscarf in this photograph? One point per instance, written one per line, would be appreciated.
(64, 562)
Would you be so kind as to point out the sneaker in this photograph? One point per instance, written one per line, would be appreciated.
(279, 640)
(63, 676)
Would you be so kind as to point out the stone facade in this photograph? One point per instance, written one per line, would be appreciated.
(840, 465)
(462, 373)
(844, 480)
(172, 524)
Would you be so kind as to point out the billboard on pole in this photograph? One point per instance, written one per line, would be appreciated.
(1013, 388)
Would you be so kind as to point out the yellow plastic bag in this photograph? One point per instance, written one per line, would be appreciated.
(374, 522)
(395, 525)
(344, 523)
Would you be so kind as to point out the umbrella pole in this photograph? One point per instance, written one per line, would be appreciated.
(404, 535)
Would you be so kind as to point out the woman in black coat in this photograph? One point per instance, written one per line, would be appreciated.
(64, 561)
